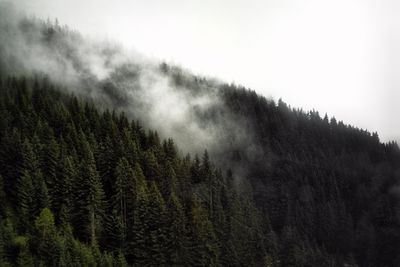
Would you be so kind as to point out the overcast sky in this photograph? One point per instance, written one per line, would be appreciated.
(340, 56)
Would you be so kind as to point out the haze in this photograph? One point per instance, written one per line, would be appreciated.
(339, 57)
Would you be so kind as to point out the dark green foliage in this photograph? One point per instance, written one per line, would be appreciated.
(25, 200)
(62, 202)
(93, 189)
(46, 238)
(203, 243)
(89, 200)
(3, 203)
(176, 232)
(80, 187)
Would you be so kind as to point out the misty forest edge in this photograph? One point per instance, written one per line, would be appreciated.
(82, 184)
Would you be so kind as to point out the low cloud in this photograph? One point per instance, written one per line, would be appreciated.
(168, 99)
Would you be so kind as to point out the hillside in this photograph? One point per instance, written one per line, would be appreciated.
(90, 174)
(83, 187)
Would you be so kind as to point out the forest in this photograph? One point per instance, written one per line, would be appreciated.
(83, 187)
(91, 176)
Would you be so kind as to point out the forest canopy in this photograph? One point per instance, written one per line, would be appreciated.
(94, 170)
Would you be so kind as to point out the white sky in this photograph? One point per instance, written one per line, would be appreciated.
(340, 56)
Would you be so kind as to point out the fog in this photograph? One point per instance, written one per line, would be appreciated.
(124, 80)
(339, 57)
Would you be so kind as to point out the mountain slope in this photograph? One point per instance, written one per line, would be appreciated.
(300, 190)
(72, 175)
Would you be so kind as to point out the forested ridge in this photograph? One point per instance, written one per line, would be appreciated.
(84, 187)
(323, 186)
(86, 178)
(81, 187)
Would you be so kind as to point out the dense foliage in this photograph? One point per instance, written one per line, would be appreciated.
(84, 187)
(324, 185)
(81, 187)
(326, 188)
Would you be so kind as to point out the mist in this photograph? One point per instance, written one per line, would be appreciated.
(123, 80)
(163, 97)
(337, 57)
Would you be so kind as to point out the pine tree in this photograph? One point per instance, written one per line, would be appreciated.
(2, 247)
(204, 250)
(89, 198)
(41, 195)
(169, 182)
(170, 150)
(131, 149)
(157, 226)
(150, 165)
(46, 237)
(120, 260)
(114, 234)
(49, 164)
(25, 258)
(25, 200)
(3, 198)
(123, 198)
(12, 163)
(106, 165)
(177, 231)
(195, 170)
(30, 161)
(138, 234)
(63, 197)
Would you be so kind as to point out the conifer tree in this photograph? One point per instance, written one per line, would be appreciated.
(169, 182)
(114, 234)
(66, 177)
(177, 252)
(41, 195)
(204, 249)
(195, 170)
(138, 234)
(47, 246)
(11, 162)
(120, 260)
(106, 164)
(89, 197)
(25, 200)
(150, 165)
(122, 196)
(3, 198)
(25, 258)
(157, 226)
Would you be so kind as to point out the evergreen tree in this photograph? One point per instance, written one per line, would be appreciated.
(177, 251)
(138, 234)
(204, 250)
(169, 182)
(3, 198)
(25, 258)
(89, 197)
(25, 200)
(46, 237)
(122, 199)
(156, 221)
(66, 177)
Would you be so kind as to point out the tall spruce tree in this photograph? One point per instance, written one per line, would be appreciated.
(89, 197)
